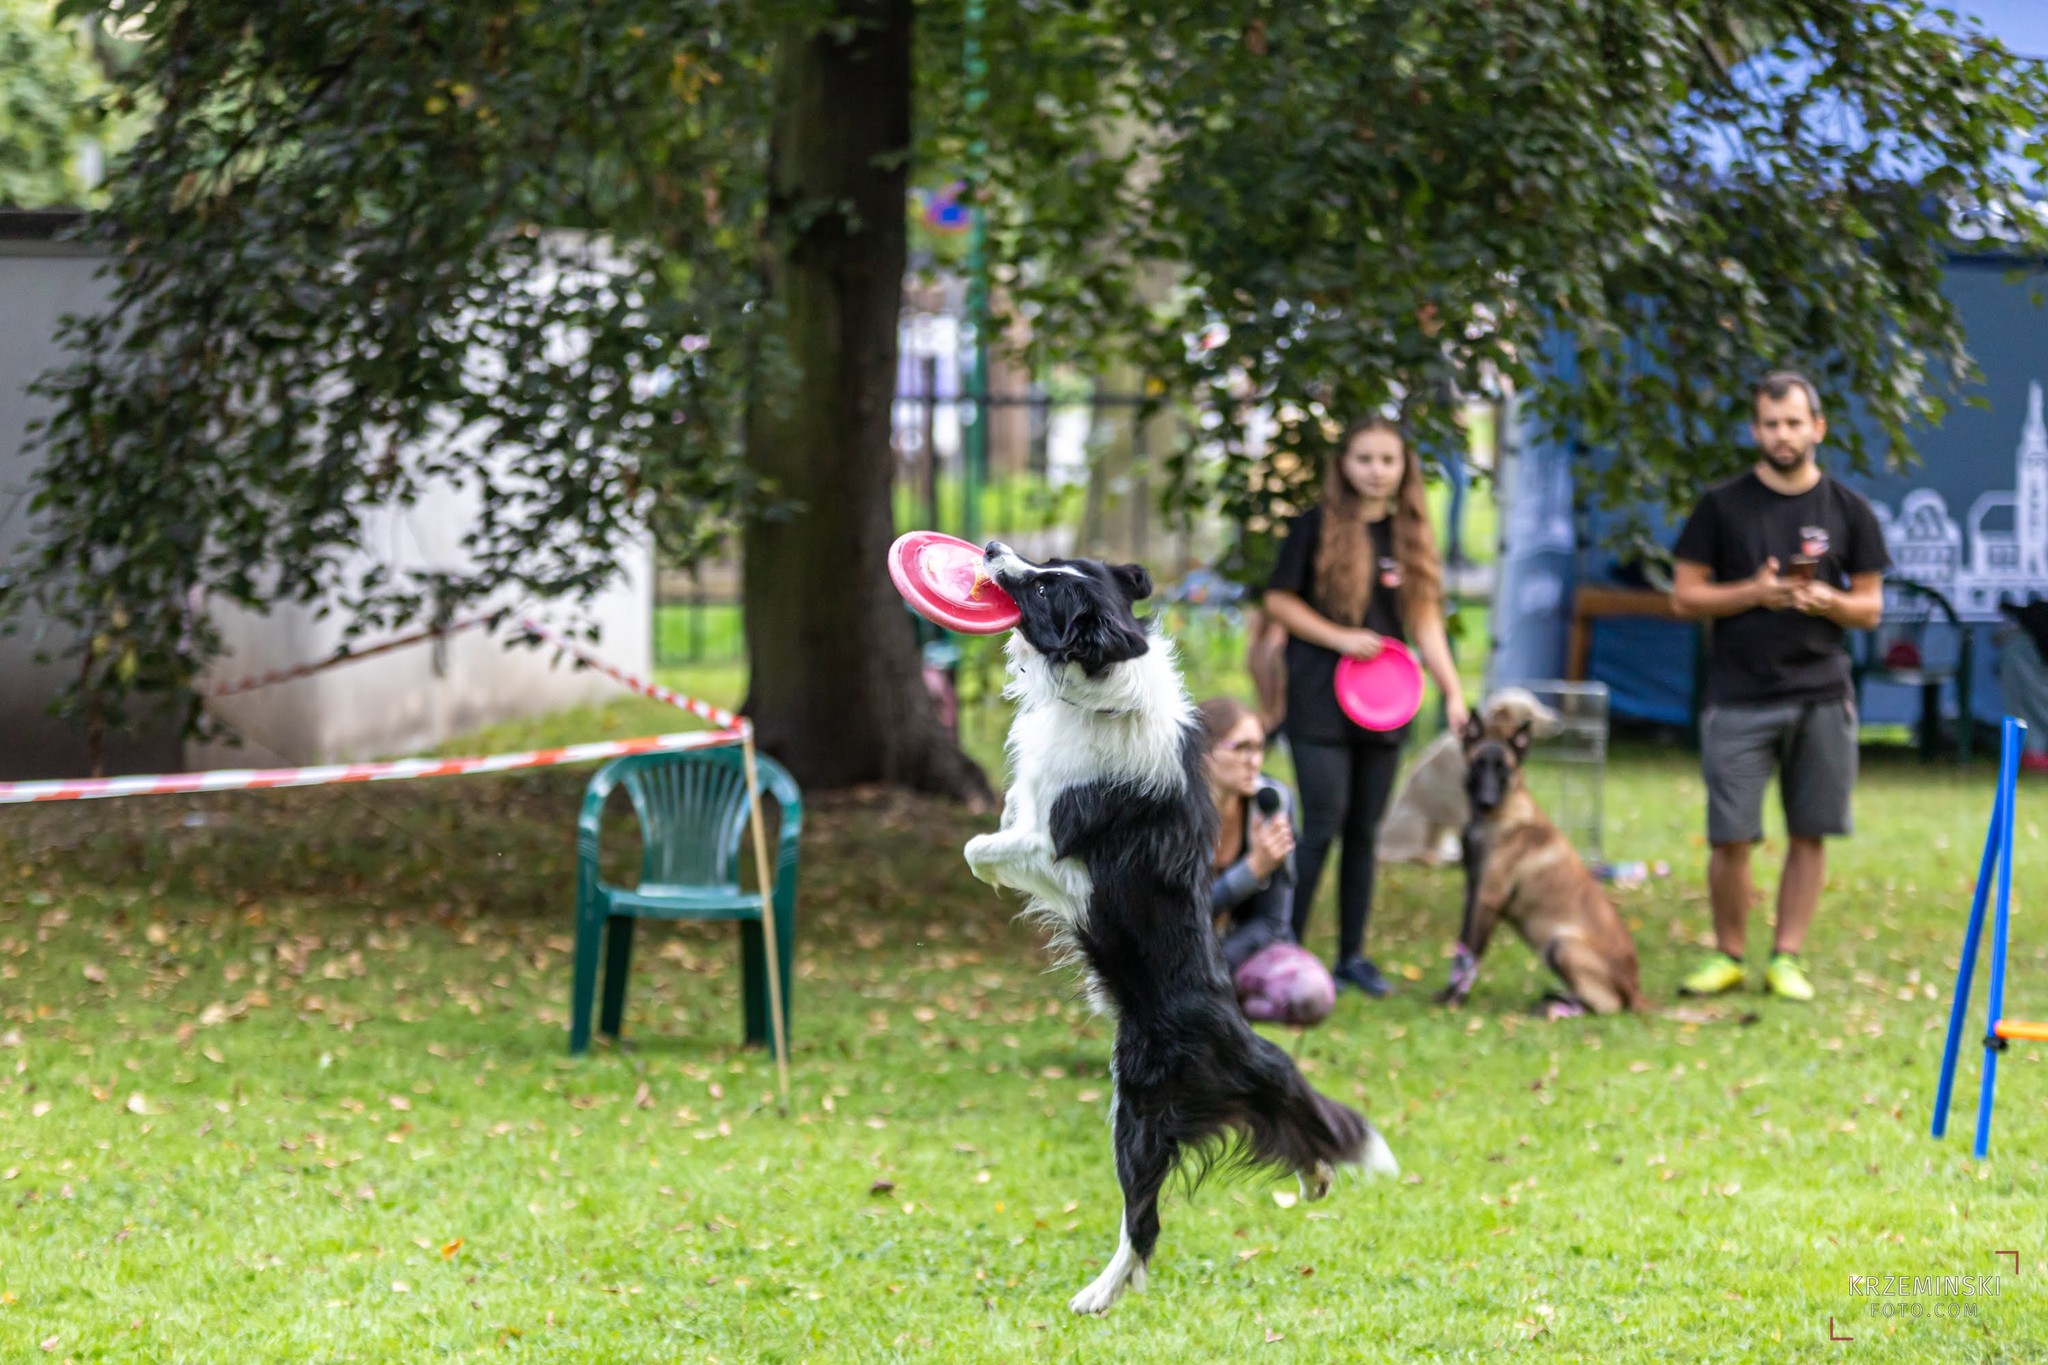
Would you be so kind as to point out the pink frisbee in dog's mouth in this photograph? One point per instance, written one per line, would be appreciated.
(1383, 692)
(941, 577)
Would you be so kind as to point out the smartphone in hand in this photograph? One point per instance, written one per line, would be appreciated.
(1803, 568)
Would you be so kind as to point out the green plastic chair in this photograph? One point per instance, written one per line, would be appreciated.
(692, 809)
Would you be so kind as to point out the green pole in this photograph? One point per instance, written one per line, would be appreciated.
(974, 445)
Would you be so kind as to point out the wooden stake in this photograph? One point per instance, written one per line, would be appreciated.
(777, 1024)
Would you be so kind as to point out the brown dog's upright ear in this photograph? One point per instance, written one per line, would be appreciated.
(1519, 741)
(1474, 731)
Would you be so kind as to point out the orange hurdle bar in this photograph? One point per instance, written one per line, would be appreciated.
(2015, 1028)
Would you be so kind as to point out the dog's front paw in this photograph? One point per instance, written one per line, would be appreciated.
(981, 858)
(1315, 1183)
(1464, 974)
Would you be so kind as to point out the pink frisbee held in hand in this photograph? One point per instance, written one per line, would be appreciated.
(941, 577)
(1383, 692)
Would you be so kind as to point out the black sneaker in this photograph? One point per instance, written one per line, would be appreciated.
(1360, 974)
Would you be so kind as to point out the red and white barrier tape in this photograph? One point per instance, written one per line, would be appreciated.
(717, 715)
(733, 729)
(253, 681)
(244, 779)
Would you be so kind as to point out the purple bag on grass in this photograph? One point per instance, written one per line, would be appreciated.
(1284, 983)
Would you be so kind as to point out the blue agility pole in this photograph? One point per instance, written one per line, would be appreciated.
(1966, 972)
(1994, 1043)
(1997, 862)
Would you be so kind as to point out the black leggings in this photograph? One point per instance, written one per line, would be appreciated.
(1344, 789)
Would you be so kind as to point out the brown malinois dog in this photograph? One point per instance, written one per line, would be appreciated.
(1518, 868)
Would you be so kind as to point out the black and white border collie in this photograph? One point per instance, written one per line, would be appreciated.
(1109, 830)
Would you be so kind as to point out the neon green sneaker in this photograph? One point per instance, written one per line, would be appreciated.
(1783, 977)
(1718, 975)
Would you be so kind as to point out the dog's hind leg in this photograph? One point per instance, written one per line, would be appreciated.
(1144, 1158)
(1585, 974)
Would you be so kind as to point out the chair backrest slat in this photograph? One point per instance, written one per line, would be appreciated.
(693, 815)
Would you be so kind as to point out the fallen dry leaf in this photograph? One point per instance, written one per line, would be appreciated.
(882, 1187)
(95, 974)
(137, 1104)
(448, 1249)
(1285, 1198)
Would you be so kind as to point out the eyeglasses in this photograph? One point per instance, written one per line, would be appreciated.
(1244, 748)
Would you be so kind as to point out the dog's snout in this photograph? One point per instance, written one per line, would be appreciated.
(1485, 784)
(995, 549)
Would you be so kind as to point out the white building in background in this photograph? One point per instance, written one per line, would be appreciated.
(390, 705)
(2007, 539)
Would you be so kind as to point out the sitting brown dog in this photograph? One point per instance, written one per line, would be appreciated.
(1429, 809)
(1518, 868)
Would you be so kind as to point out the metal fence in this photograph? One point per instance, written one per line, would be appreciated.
(1068, 472)
(1567, 767)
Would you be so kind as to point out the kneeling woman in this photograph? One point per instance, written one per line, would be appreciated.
(1252, 895)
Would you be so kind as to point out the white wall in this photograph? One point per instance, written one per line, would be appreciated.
(391, 705)
(400, 703)
(40, 281)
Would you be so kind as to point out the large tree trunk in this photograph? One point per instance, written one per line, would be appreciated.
(835, 682)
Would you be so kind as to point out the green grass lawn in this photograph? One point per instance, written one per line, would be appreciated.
(282, 1079)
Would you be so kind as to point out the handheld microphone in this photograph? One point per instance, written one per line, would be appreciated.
(1268, 801)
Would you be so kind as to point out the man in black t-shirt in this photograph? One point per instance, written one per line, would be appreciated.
(1783, 560)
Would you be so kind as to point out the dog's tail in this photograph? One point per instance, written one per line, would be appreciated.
(1291, 1125)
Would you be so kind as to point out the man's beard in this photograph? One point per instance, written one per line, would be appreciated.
(1785, 461)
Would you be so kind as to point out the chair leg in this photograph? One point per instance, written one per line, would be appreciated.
(754, 982)
(1967, 722)
(618, 958)
(1930, 720)
(583, 988)
(754, 976)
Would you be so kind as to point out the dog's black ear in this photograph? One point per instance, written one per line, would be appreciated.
(1520, 740)
(1475, 729)
(1132, 578)
(1095, 640)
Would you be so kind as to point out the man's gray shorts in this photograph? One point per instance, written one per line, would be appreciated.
(1813, 746)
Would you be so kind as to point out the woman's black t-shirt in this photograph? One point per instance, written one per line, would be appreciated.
(1312, 711)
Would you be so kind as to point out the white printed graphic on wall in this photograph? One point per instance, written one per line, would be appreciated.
(2008, 533)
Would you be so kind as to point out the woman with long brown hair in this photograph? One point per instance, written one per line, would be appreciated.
(1358, 569)
(1252, 893)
